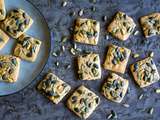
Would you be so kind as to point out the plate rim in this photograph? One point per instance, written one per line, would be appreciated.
(27, 85)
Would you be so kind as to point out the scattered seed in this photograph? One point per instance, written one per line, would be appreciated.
(151, 110)
(64, 4)
(79, 50)
(81, 12)
(136, 55)
(73, 52)
(114, 114)
(109, 116)
(104, 18)
(54, 54)
(68, 66)
(126, 105)
(106, 37)
(63, 48)
(93, 8)
(140, 97)
(75, 46)
(64, 39)
(157, 90)
(151, 54)
(136, 32)
(57, 64)
(73, 13)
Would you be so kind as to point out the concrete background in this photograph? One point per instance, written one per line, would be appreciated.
(28, 104)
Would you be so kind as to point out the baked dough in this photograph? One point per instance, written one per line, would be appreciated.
(27, 48)
(9, 68)
(83, 102)
(3, 39)
(16, 23)
(117, 58)
(86, 31)
(2, 10)
(122, 26)
(89, 67)
(151, 24)
(145, 72)
(53, 88)
(115, 88)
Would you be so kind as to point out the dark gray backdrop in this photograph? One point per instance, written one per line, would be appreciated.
(30, 105)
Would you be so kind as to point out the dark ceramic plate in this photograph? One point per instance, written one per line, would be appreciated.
(40, 30)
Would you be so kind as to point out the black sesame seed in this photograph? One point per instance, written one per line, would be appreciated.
(76, 110)
(79, 91)
(8, 29)
(97, 100)
(15, 11)
(29, 54)
(95, 66)
(74, 99)
(89, 94)
(4, 77)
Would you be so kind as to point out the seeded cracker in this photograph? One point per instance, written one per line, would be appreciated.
(117, 58)
(83, 102)
(115, 88)
(151, 24)
(86, 31)
(53, 88)
(122, 26)
(9, 68)
(2, 10)
(16, 23)
(89, 67)
(145, 72)
(3, 39)
(27, 48)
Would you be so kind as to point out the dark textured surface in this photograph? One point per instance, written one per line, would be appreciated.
(30, 105)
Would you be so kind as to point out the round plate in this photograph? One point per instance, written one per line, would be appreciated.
(28, 71)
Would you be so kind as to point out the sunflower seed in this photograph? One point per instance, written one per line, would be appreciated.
(157, 91)
(126, 105)
(151, 110)
(136, 55)
(73, 51)
(93, 8)
(81, 12)
(151, 54)
(63, 48)
(136, 32)
(64, 4)
(57, 64)
(104, 18)
(54, 54)
(64, 39)
(140, 97)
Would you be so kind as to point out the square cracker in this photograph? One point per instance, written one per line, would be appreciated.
(9, 68)
(117, 58)
(86, 31)
(2, 10)
(3, 39)
(27, 48)
(145, 72)
(151, 24)
(53, 88)
(122, 26)
(16, 23)
(89, 67)
(83, 102)
(115, 88)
